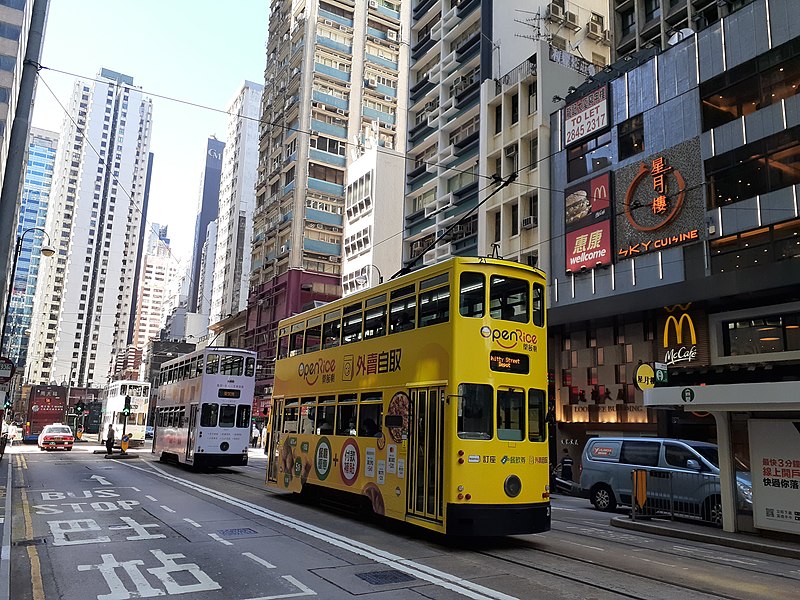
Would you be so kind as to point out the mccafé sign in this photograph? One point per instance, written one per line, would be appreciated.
(684, 340)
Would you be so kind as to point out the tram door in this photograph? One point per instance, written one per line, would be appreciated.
(274, 438)
(425, 453)
(190, 438)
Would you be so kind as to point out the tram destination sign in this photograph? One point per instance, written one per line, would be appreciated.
(225, 393)
(509, 362)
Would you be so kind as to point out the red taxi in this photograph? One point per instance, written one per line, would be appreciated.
(55, 436)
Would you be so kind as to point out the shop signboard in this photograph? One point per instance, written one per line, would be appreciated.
(659, 201)
(775, 472)
(587, 222)
(683, 337)
(586, 116)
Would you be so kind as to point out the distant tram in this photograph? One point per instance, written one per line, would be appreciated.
(113, 401)
(203, 411)
(424, 397)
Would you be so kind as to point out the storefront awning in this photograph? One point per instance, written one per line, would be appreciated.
(779, 395)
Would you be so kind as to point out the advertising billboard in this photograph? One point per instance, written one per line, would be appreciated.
(587, 223)
(775, 473)
(683, 337)
(659, 201)
(586, 116)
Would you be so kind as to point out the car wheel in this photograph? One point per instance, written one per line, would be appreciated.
(712, 510)
(603, 498)
(68, 449)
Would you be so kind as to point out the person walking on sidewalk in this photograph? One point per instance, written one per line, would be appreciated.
(566, 466)
(110, 439)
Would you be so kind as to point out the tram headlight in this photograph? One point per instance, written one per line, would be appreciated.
(512, 486)
(224, 446)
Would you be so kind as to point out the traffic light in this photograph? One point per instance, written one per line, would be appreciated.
(126, 410)
(7, 403)
(79, 408)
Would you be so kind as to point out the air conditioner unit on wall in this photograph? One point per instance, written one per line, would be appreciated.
(392, 35)
(572, 20)
(529, 222)
(373, 3)
(555, 12)
(594, 30)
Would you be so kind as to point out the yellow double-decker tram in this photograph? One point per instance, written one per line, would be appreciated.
(425, 396)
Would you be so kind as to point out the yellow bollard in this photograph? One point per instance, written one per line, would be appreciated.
(123, 444)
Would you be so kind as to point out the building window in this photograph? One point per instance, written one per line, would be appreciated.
(498, 118)
(515, 219)
(532, 98)
(514, 108)
(497, 226)
(652, 9)
(761, 334)
(756, 248)
(631, 137)
(590, 156)
(627, 21)
(559, 42)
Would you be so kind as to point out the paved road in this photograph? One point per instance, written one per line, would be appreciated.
(87, 527)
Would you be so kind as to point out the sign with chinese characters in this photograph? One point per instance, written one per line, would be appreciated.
(586, 116)
(644, 377)
(589, 247)
(659, 201)
(775, 473)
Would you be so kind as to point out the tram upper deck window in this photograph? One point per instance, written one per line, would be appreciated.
(475, 411)
(331, 330)
(227, 415)
(351, 323)
(511, 415)
(472, 299)
(537, 407)
(434, 304)
(243, 415)
(296, 339)
(250, 366)
(212, 364)
(509, 299)
(283, 343)
(538, 304)
(313, 335)
(208, 414)
(232, 366)
(402, 309)
(375, 317)
(199, 371)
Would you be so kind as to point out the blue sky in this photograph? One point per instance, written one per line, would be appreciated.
(194, 50)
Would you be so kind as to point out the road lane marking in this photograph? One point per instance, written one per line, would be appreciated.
(258, 559)
(100, 479)
(36, 568)
(418, 570)
(564, 509)
(151, 498)
(583, 545)
(304, 590)
(167, 508)
(655, 562)
(214, 536)
(195, 523)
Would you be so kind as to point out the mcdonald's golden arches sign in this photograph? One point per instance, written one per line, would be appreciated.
(683, 337)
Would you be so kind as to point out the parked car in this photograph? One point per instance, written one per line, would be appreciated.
(683, 475)
(55, 436)
(148, 432)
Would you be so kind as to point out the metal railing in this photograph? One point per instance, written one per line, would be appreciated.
(683, 494)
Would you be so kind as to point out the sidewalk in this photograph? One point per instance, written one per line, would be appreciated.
(704, 533)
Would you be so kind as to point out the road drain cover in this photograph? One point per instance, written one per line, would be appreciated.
(33, 542)
(385, 577)
(236, 532)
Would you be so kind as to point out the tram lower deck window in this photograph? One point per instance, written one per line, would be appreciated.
(208, 414)
(475, 411)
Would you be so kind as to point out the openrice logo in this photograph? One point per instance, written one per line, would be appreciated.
(508, 338)
(311, 371)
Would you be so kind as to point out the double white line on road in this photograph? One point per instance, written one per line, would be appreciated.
(415, 569)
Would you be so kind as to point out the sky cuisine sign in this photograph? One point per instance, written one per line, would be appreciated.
(586, 116)
(660, 201)
(587, 222)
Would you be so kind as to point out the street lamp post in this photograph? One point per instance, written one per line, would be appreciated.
(363, 279)
(47, 250)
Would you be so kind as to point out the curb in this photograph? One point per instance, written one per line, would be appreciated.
(719, 540)
(5, 553)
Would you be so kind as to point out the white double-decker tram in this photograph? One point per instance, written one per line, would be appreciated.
(203, 408)
(133, 424)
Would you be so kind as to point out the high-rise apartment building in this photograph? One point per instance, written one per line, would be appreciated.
(236, 204)
(335, 68)
(207, 256)
(85, 293)
(32, 214)
(208, 208)
(158, 275)
(482, 75)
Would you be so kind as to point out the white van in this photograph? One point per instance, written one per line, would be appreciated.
(683, 475)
